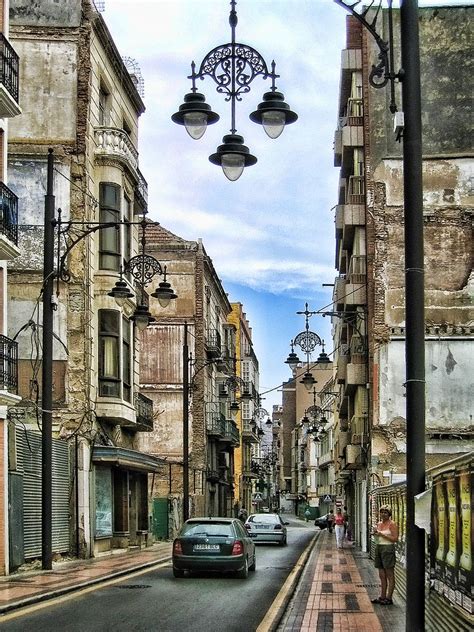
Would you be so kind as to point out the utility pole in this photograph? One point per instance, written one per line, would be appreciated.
(414, 309)
(47, 373)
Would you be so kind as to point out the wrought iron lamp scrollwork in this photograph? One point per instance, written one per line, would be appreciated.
(233, 67)
(142, 267)
(307, 341)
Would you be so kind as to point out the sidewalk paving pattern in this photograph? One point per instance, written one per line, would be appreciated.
(332, 594)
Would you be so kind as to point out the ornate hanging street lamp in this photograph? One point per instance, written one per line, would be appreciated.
(233, 67)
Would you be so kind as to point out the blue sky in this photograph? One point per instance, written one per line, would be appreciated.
(271, 233)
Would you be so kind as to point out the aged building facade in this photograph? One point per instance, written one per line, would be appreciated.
(369, 335)
(9, 108)
(246, 395)
(80, 100)
(214, 436)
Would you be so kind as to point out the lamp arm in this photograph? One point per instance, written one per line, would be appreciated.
(383, 72)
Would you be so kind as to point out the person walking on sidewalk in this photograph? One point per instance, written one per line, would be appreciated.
(330, 520)
(386, 534)
(339, 523)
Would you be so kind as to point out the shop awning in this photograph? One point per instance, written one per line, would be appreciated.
(125, 458)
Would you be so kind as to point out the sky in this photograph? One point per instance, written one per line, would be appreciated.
(270, 234)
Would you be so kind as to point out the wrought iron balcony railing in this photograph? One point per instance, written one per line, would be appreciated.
(9, 67)
(144, 412)
(8, 214)
(8, 365)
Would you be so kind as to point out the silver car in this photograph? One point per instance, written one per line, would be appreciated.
(267, 527)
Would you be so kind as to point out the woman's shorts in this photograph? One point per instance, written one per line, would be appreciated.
(384, 556)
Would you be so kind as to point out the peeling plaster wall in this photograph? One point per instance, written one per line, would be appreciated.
(45, 12)
(449, 385)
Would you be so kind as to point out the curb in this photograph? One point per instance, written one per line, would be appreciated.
(278, 608)
(29, 601)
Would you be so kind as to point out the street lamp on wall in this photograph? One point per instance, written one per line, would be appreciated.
(409, 76)
(142, 267)
(233, 67)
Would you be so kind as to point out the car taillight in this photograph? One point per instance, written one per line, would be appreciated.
(177, 548)
(238, 548)
(278, 526)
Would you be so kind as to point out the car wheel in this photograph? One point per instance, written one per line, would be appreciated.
(244, 572)
(253, 567)
(283, 542)
(178, 572)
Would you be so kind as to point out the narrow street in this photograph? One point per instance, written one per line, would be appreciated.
(154, 600)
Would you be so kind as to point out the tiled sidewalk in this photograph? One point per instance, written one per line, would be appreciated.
(334, 594)
(25, 588)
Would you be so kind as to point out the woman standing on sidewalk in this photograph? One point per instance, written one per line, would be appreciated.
(386, 534)
(339, 528)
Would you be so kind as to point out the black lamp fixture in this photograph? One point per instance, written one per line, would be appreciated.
(233, 67)
(143, 268)
(307, 341)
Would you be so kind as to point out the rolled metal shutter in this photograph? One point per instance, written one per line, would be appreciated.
(29, 461)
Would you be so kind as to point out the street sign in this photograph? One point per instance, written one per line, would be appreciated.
(327, 499)
(257, 497)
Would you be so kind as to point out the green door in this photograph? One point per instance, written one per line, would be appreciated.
(160, 518)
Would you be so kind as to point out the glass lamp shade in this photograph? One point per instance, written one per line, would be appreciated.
(164, 293)
(233, 156)
(142, 317)
(269, 422)
(308, 381)
(273, 122)
(195, 114)
(232, 166)
(195, 124)
(120, 292)
(292, 360)
(234, 409)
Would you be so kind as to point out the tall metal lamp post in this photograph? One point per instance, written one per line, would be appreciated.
(233, 67)
(409, 76)
(142, 268)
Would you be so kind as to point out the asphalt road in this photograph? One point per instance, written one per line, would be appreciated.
(155, 601)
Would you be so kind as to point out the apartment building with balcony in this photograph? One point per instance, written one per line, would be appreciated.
(247, 397)
(214, 435)
(9, 250)
(79, 99)
(369, 301)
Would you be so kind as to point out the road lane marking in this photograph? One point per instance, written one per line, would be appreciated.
(49, 601)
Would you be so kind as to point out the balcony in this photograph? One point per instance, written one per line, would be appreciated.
(248, 433)
(348, 216)
(215, 424)
(230, 432)
(8, 371)
(355, 193)
(350, 132)
(115, 144)
(212, 343)
(144, 410)
(9, 80)
(354, 457)
(141, 195)
(8, 224)
(339, 292)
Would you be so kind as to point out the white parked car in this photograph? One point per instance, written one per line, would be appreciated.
(267, 527)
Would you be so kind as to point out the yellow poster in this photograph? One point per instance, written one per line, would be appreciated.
(441, 505)
(452, 554)
(465, 560)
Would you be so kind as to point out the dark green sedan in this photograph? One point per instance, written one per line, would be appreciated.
(213, 544)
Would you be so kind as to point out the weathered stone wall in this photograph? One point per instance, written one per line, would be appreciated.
(45, 12)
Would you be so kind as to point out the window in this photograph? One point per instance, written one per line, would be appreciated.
(109, 239)
(104, 106)
(115, 355)
(109, 360)
(126, 365)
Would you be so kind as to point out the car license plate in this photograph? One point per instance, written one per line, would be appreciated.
(206, 547)
(263, 526)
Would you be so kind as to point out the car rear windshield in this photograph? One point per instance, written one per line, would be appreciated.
(264, 519)
(213, 529)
